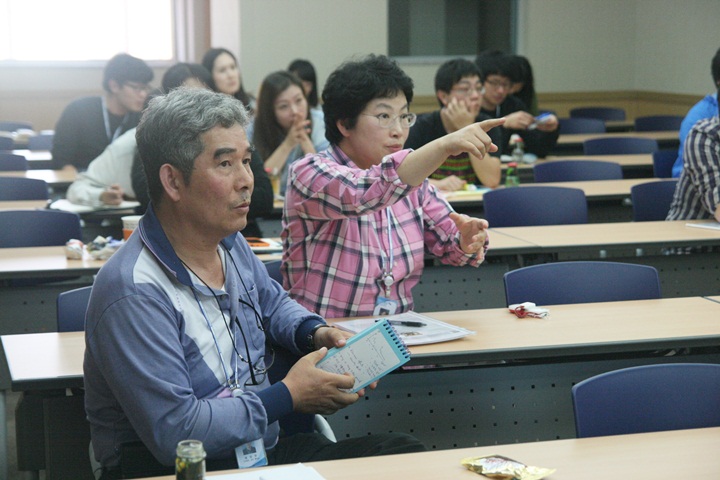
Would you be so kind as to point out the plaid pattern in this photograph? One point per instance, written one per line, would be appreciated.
(335, 230)
(698, 192)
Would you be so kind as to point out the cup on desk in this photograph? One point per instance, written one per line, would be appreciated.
(274, 177)
(130, 223)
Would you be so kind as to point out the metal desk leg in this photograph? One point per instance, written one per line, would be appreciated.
(3, 439)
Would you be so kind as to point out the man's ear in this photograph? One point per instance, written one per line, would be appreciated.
(172, 181)
(444, 97)
(114, 86)
(340, 124)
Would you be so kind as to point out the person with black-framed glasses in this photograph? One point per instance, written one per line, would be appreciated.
(183, 321)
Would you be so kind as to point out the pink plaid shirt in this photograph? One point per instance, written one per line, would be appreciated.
(335, 233)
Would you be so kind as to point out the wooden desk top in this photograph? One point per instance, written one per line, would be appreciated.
(662, 233)
(633, 160)
(54, 178)
(34, 155)
(579, 138)
(54, 360)
(39, 261)
(23, 204)
(658, 455)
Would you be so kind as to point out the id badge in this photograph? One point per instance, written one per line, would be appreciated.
(385, 306)
(251, 454)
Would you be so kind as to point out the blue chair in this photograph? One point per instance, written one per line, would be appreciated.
(648, 398)
(657, 123)
(37, 228)
(581, 282)
(619, 145)
(71, 308)
(43, 141)
(273, 269)
(535, 205)
(10, 162)
(651, 201)
(581, 125)
(576, 170)
(20, 188)
(601, 113)
(663, 161)
(6, 143)
(15, 126)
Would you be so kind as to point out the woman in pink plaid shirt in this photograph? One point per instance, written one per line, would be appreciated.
(360, 216)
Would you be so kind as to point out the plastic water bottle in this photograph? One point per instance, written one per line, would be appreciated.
(511, 175)
(190, 460)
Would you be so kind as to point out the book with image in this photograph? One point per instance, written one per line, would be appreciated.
(367, 356)
(413, 328)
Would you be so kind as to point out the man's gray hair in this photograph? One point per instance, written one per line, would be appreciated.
(171, 127)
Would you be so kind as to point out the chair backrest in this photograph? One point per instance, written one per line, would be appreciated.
(11, 162)
(656, 123)
(619, 145)
(581, 282)
(14, 126)
(581, 125)
(44, 141)
(601, 113)
(19, 188)
(648, 398)
(651, 201)
(38, 228)
(6, 143)
(576, 170)
(663, 161)
(535, 205)
(71, 308)
(273, 269)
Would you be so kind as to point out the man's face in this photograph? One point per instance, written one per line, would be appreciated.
(468, 90)
(217, 197)
(497, 88)
(131, 95)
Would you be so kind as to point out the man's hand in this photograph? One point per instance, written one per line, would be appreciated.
(519, 120)
(473, 232)
(549, 124)
(458, 114)
(316, 391)
(112, 195)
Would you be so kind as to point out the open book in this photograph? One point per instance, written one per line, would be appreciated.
(413, 328)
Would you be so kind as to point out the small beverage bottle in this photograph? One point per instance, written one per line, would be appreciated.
(518, 153)
(511, 175)
(190, 461)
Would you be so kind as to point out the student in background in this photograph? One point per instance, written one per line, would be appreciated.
(497, 102)
(226, 77)
(285, 129)
(697, 195)
(705, 108)
(183, 320)
(359, 217)
(306, 73)
(523, 88)
(88, 125)
(458, 90)
(108, 179)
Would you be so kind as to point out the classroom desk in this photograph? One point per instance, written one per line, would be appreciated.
(54, 178)
(572, 143)
(37, 159)
(658, 455)
(23, 204)
(510, 382)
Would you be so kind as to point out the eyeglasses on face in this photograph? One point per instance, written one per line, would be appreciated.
(384, 120)
(494, 83)
(465, 90)
(138, 87)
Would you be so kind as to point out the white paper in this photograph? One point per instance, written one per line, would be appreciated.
(711, 226)
(434, 331)
(68, 206)
(296, 472)
(273, 246)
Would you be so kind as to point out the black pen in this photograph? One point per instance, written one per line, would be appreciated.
(404, 323)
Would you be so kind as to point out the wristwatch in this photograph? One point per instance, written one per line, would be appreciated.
(311, 335)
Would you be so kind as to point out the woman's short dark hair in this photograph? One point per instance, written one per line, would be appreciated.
(267, 132)
(179, 73)
(125, 68)
(354, 84)
(306, 72)
(208, 61)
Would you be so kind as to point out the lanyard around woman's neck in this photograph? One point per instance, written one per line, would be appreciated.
(106, 118)
(388, 260)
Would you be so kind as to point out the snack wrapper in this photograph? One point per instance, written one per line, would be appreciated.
(103, 248)
(528, 309)
(74, 249)
(503, 468)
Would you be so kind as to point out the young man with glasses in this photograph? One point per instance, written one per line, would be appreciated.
(360, 216)
(183, 321)
(459, 93)
(539, 137)
(89, 124)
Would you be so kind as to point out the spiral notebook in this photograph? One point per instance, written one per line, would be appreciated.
(368, 356)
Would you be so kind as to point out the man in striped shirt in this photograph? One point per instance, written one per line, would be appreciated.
(697, 195)
(360, 216)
